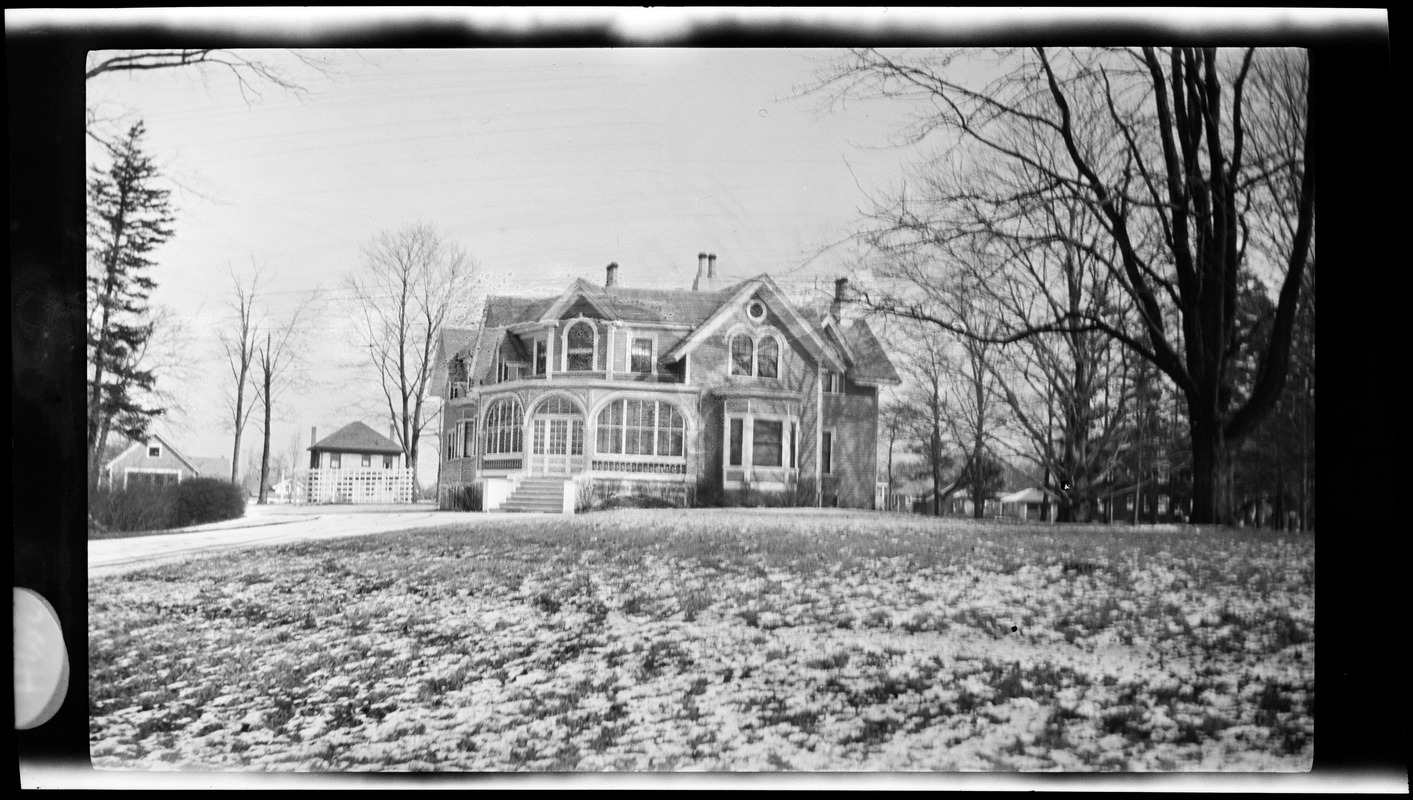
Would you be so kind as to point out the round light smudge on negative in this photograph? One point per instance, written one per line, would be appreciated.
(41, 661)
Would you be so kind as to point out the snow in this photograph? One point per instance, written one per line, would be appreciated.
(803, 653)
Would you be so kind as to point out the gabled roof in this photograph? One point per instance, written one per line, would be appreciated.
(871, 362)
(735, 298)
(165, 443)
(359, 438)
(618, 302)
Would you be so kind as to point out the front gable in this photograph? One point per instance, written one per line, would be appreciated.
(575, 300)
(736, 309)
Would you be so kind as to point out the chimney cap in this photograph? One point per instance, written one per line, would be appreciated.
(611, 274)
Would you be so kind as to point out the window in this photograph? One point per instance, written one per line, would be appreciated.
(641, 356)
(539, 357)
(756, 310)
(641, 428)
(768, 358)
(504, 433)
(579, 346)
(794, 431)
(468, 438)
(387, 462)
(826, 454)
(154, 451)
(833, 382)
(742, 354)
(367, 459)
(767, 439)
(736, 428)
(334, 460)
(314, 460)
(152, 479)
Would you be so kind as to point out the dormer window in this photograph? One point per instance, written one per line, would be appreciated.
(154, 451)
(539, 356)
(580, 342)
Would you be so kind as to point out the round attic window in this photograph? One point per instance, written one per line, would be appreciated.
(756, 310)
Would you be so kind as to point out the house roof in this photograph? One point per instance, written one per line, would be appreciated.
(1031, 495)
(165, 443)
(871, 362)
(705, 311)
(358, 438)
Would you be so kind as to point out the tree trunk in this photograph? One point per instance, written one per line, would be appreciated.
(1211, 474)
(265, 449)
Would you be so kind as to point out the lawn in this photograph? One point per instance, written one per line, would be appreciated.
(715, 640)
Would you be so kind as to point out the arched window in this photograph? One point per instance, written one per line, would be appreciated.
(504, 433)
(742, 354)
(641, 428)
(557, 404)
(579, 346)
(768, 358)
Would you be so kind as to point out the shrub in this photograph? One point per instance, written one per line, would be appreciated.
(139, 508)
(462, 498)
(203, 500)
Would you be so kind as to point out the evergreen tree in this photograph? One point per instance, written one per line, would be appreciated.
(128, 218)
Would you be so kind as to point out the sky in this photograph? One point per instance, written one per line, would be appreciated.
(545, 164)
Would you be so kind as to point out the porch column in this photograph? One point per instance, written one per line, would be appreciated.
(608, 351)
(549, 350)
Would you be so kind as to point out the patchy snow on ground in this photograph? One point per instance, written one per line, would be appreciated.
(715, 640)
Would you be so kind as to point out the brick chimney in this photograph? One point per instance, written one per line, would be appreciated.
(701, 271)
(843, 298)
(611, 276)
(711, 266)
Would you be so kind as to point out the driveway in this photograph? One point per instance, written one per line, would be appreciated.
(266, 525)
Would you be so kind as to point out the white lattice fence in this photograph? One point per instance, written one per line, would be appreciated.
(380, 486)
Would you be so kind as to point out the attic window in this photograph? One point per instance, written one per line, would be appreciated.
(154, 451)
(581, 340)
(756, 311)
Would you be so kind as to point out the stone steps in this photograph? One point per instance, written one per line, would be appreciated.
(536, 496)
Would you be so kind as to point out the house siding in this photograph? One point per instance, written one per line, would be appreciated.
(707, 401)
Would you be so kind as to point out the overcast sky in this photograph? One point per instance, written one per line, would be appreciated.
(544, 164)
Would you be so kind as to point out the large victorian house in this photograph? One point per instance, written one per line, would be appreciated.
(652, 391)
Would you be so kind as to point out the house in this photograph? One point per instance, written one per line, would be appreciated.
(356, 464)
(155, 462)
(1027, 504)
(659, 391)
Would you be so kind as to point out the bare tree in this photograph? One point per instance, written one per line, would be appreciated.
(251, 70)
(1155, 146)
(276, 359)
(238, 344)
(411, 283)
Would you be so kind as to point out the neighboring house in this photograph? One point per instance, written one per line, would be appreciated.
(658, 391)
(156, 462)
(1027, 504)
(356, 464)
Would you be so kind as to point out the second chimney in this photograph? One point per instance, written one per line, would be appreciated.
(711, 266)
(842, 298)
(611, 276)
